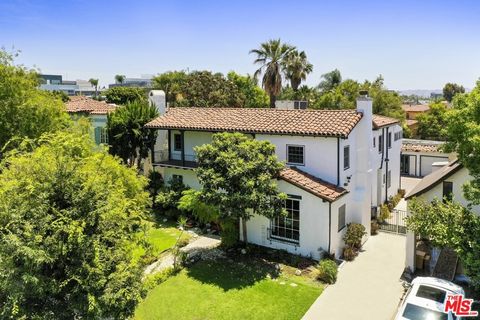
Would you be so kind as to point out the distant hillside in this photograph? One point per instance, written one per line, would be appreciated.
(420, 93)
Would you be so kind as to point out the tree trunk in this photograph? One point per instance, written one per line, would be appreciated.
(244, 230)
(272, 101)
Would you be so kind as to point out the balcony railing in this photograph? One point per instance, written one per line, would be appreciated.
(162, 158)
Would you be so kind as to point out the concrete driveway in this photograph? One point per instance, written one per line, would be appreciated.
(367, 288)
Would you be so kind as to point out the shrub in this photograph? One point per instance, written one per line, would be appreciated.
(153, 280)
(155, 182)
(168, 198)
(353, 236)
(229, 233)
(401, 192)
(384, 213)
(327, 271)
(349, 253)
(374, 227)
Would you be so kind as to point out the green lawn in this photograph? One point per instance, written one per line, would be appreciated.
(161, 237)
(229, 290)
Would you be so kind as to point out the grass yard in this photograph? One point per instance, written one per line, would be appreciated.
(161, 237)
(227, 289)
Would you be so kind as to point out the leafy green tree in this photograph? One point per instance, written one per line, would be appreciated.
(124, 95)
(296, 68)
(432, 125)
(304, 93)
(252, 95)
(330, 80)
(271, 56)
(94, 83)
(237, 177)
(68, 215)
(463, 136)
(449, 225)
(26, 111)
(172, 83)
(128, 137)
(451, 89)
(119, 78)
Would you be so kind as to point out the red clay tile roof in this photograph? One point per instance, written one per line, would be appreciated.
(382, 121)
(312, 184)
(411, 122)
(411, 145)
(434, 178)
(268, 121)
(88, 105)
(415, 108)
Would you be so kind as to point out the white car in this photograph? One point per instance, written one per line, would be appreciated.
(425, 300)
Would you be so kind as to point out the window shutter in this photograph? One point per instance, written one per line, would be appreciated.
(97, 134)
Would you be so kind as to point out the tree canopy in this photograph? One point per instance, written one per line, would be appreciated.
(128, 137)
(124, 95)
(463, 136)
(237, 177)
(296, 68)
(432, 125)
(451, 89)
(26, 111)
(68, 216)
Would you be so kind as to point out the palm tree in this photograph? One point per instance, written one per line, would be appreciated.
(94, 82)
(296, 68)
(119, 78)
(330, 80)
(271, 56)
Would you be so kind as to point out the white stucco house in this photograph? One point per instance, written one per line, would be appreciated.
(445, 182)
(339, 164)
(95, 111)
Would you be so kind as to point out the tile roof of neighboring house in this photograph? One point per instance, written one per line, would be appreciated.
(411, 122)
(412, 145)
(382, 121)
(88, 105)
(415, 108)
(312, 184)
(256, 120)
(434, 178)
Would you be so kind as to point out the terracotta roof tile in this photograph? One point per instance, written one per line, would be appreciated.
(88, 105)
(268, 121)
(312, 184)
(415, 108)
(382, 121)
(411, 145)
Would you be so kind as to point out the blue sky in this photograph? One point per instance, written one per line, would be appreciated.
(414, 44)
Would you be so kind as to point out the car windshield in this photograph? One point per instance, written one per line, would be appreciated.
(414, 312)
(431, 293)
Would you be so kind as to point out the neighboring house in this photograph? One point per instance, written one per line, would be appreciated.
(331, 160)
(50, 82)
(446, 182)
(411, 113)
(420, 157)
(145, 81)
(96, 111)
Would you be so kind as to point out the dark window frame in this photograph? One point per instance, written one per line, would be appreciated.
(389, 140)
(449, 195)
(346, 157)
(180, 144)
(344, 214)
(288, 154)
(380, 143)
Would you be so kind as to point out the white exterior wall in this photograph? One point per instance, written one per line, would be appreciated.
(421, 162)
(192, 139)
(189, 176)
(458, 179)
(320, 154)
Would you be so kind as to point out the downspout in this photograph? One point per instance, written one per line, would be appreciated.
(329, 226)
(386, 166)
(338, 161)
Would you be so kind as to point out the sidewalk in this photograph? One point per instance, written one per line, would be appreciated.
(367, 288)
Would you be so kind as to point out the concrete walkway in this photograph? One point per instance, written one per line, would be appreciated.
(367, 288)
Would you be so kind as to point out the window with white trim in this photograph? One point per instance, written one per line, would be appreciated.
(287, 227)
(346, 157)
(177, 142)
(389, 141)
(295, 154)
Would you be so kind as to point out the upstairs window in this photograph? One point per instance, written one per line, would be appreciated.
(374, 142)
(177, 142)
(295, 155)
(447, 190)
(380, 144)
(346, 157)
(389, 141)
(397, 136)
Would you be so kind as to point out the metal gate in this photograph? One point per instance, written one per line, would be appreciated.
(396, 222)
